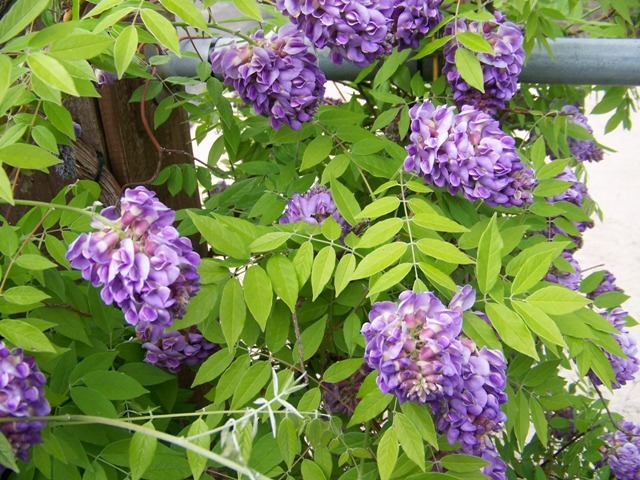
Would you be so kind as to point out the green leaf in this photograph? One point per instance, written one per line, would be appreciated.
(469, 67)
(539, 421)
(7, 458)
(125, 48)
(146, 374)
(384, 118)
(474, 42)
(409, 438)
(311, 471)
(19, 16)
(21, 155)
(439, 223)
(318, 149)
(284, 279)
(455, 462)
(288, 441)
(60, 118)
(249, 8)
(52, 72)
(197, 463)
(557, 300)
(489, 256)
(312, 338)
(539, 323)
(387, 453)
(114, 385)
(34, 262)
(187, 11)
(373, 404)
(141, 451)
(221, 238)
(380, 233)
(253, 380)
(227, 384)
(341, 370)
(6, 192)
(269, 241)
(80, 46)
(390, 278)
(390, 66)
(213, 367)
(323, 266)
(379, 259)
(444, 251)
(344, 272)
(432, 46)
(438, 277)
(421, 419)
(24, 295)
(532, 272)
(258, 293)
(512, 329)
(303, 262)
(25, 336)
(379, 208)
(233, 312)
(162, 29)
(5, 78)
(92, 402)
(331, 229)
(345, 201)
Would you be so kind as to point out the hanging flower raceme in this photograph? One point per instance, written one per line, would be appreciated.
(279, 75)
(622, 451)
(413, 20)
(568, 278)
(497, 468)
(22, 396)
(467, 153)
(176, 348)
(141, 261)
(355, 31)
(583, 150)
(313, 207)
(341, 397)
(500, 69)
(625, 369)
(606, 285)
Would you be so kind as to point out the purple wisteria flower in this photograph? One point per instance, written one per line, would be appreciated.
(622, 451)
(341, 397)
(313, 207)
(105, 77)
(500, 69)
(413, 20)
(625, 369)
(141, 261)
(21, 396)
(356, 31)
(582, 150)
(607, 284)
(279, 75)
(467, 153)
(178, 347)
(567, 278)
(497, 468)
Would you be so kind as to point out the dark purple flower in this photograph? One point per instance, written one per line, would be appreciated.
(625, 369)
(568, 278)
(467, 153)
(146, 268)
(413, 345)
(340, 397)
(279, 76)
(313, 207)
(21, 396)
(582, 150)
(622, 451)
(413, 20)
(176, 348)
(500, 69)
(356, 31)
(497, 469)
(608, 284)
(105, 77)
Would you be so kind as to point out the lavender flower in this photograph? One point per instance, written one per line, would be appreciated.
(500, 69)
(467, 153)
(313, 207)
(413, 345)
(105, 77)
(21, 396)
(607, 284)
(625, 369)
(341, 397)
(176, 348)
(279, 76)
(582, 150)
(413, 20)
(356, 31)
(146, 268)
(569, 279)
(497, 469)
(622, 451)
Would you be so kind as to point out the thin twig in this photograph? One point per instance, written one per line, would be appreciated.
(296, 329)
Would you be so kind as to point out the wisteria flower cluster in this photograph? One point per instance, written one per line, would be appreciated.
(582, 150)
(178, 347)
(145, 267)
(567, 278)
(607, 284)
(500, 69)
(278, 75)
(22, 396)
(313, 207)
(413, 20)
(416, 348)
(467, 153)
(622, 451)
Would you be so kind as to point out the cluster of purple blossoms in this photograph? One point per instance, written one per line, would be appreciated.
(467, 153)
(607, 284)
(500, 70)
(178, 347)
(356, 31)
(22, 396)
(625, 369)
(341, 397)
(313, 207)
(582, 150)
(413, 20)
(622, 451)
(567, 278)
(146, 268)
(279, 75)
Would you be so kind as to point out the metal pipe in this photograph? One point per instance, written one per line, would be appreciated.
(573, 61)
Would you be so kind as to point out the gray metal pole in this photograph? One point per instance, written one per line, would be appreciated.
(573, 61)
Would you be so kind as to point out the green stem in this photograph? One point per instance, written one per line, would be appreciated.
(217, 26)
(68, 208)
